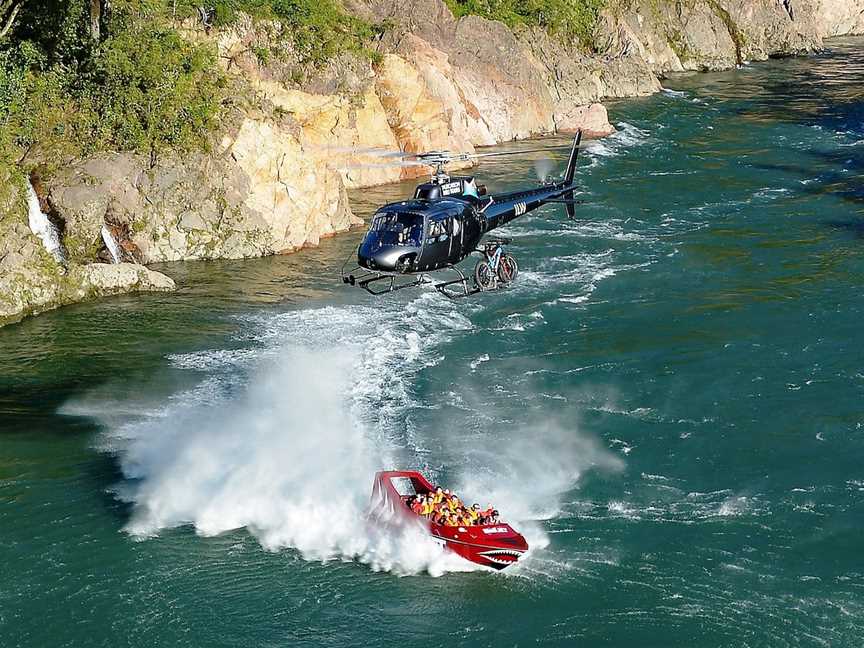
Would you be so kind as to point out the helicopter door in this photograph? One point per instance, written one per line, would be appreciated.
(437, 248)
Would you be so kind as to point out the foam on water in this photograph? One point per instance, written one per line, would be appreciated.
(676, 94)
(627, 136)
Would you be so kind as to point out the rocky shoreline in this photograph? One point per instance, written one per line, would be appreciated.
(274, 178)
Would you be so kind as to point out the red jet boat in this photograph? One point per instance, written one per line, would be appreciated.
(490, 545)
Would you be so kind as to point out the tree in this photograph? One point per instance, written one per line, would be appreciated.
(8, 13)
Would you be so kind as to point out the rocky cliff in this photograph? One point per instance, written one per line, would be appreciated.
(274, 178)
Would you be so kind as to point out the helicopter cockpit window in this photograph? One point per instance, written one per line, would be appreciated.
(398, 228)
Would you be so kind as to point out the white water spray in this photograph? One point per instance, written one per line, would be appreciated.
(42, 227)
(286, 461)
(112, 244)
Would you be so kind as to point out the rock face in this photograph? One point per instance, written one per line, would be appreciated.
(839, 17)
(275, 178)
(243, 200)
(719, 34)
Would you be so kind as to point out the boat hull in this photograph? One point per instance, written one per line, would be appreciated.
(491, 545)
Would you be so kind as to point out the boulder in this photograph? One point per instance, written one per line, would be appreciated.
(592, 120)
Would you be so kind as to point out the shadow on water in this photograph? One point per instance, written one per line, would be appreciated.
(104, 473)
(834, 174)
(818, 91)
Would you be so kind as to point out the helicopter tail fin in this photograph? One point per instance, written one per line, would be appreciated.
(570, 173)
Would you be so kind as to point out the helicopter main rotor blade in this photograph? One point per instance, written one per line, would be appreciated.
(519, 152)
(384, 164)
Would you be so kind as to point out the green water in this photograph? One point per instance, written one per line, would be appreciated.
(669, 403)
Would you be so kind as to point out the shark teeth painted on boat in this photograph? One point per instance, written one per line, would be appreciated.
(492, 555)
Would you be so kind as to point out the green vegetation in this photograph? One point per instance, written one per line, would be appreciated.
(316, 30)
(78, 76)
(571, 19)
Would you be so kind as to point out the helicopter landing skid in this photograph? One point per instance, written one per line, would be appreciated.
(446, 288)
(381, 283)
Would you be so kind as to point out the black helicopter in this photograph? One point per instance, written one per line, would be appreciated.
(445, 222)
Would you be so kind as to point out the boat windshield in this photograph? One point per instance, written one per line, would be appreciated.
(404, 486)
(398, 228)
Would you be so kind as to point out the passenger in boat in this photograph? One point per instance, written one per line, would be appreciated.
(438, 496)
(428, 506)
(474, 514)
(462, 517)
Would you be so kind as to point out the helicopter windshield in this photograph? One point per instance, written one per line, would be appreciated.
(398, 228)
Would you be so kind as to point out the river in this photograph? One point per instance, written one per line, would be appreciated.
(669, 403)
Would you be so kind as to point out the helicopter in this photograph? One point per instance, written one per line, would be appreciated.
(445, 222)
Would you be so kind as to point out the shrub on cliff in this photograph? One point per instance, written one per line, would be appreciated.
(78, 76)
(316, 30)
(148, 89)
(571, 19)
(139, 86)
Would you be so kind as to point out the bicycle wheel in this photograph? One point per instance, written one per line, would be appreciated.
(484, 278)
(507, 268)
